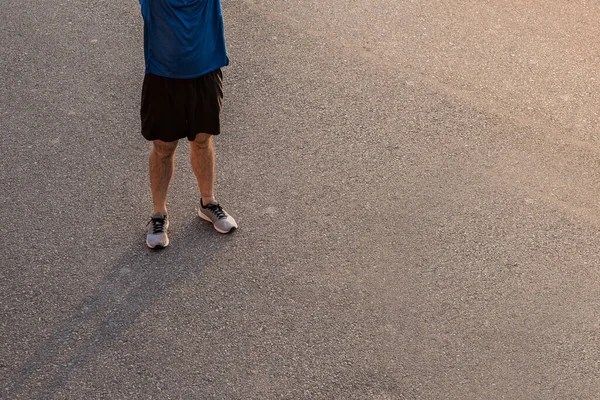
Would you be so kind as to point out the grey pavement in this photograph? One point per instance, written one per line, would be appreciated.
(415, 182)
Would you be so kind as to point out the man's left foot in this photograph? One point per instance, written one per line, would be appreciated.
(157, 231)
(214, 213)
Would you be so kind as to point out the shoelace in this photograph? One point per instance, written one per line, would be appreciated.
(158, 225)
(217, 209)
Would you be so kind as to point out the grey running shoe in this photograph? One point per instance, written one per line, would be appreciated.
(157, 231)
(213, 212)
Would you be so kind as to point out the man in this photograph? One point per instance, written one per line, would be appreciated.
(182, 93)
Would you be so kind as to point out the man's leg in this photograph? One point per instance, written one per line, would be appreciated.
(202, 155)
(162, 165)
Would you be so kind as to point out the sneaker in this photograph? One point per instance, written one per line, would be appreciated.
(213, 212)
(157, 231)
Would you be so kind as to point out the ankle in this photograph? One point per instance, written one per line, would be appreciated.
(163, 211)
(206, 200)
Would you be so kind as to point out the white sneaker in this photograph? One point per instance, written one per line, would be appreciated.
(157, 231)
(214, 213)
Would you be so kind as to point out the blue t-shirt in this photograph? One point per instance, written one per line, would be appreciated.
(183, 38)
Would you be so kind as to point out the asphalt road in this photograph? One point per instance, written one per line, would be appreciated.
(415, 182)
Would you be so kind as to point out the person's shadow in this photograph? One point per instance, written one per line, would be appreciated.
(135, 282)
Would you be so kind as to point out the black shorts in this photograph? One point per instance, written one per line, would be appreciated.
(172, 109)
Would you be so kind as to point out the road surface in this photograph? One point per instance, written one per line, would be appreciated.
(415, 182)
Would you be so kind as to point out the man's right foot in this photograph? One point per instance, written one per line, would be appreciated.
(157, 231)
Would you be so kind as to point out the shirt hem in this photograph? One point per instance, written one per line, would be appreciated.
(191, 76)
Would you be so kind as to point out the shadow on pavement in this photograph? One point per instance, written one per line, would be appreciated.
(138, 279)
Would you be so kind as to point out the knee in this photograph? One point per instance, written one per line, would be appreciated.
(164, 149)
(202, 141)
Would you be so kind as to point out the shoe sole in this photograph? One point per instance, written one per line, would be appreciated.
(204, 217)
(158, 246)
